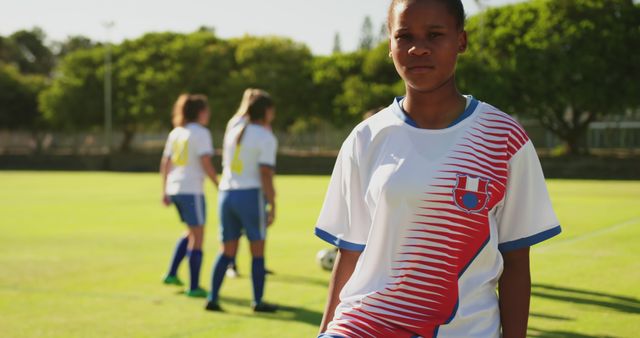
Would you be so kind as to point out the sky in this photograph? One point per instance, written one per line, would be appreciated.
(313, 23)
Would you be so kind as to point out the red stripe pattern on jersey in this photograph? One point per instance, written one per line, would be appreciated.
(448, 232)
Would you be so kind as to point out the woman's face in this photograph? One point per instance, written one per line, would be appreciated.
(425, 42)
(204, 116)
(270, 114)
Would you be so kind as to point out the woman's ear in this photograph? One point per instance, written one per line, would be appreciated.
(462, 41)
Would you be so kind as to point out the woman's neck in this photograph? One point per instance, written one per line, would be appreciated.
(260, 123)
(436, 109)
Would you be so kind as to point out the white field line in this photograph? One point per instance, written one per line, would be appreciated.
(588, 235)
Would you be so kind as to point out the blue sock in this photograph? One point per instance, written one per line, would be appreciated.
(257, 276)
(178, 254)
(195, 261)
(217, 275)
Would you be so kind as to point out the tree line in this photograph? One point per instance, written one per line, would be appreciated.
(564, 63)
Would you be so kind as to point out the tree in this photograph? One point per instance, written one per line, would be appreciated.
(72, 44)
(29, 53)
(383, 34)
(348, 84)
(73, 101)
(337, 45)
(366, 35)
(377, 66)
(19, 99)
(565, 63)
(279, 66)
(328, 75)
(151, 71)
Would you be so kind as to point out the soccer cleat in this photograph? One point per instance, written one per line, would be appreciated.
(172, 280)
(232, 272)
(196, 293)
(265, 307)
(213, 306)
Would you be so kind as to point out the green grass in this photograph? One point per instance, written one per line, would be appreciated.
(82, 255)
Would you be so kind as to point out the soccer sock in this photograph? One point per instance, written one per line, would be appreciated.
(178, 254)
(195, 261)
(217, 276)
(257, 276)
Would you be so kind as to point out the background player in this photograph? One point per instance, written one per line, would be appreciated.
(433, 201)
(248, 162)
(186, 161)
(241, 118)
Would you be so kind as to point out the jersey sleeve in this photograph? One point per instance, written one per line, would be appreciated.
(204, 144)
(526, 216)
(168, 146)
(344, 220)
(268, 150)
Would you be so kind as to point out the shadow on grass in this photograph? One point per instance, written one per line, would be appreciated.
(553, 317)
(539, 333)
(293, 279)
(586, 297)
(285, 313)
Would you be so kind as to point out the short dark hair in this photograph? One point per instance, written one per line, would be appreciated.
(193, 106)
(258, 106)
(455, 7)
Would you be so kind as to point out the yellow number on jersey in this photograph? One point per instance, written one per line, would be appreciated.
(236, 163)
(180, 153)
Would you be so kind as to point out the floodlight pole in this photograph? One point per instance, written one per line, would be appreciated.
(107, 89)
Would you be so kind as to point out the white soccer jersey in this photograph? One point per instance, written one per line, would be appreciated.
(185, 146)
(431, 211)
(241, 163)
(236, 120)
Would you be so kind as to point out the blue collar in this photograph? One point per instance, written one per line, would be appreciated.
(399, 111)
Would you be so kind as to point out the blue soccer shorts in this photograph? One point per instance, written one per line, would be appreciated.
(192, 208)
(242, 211)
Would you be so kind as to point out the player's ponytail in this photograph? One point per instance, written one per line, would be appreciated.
(257, 103)
(177, 116)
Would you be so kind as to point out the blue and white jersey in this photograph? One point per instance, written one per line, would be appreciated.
(432, 211)
(185, 146)
(241, 163)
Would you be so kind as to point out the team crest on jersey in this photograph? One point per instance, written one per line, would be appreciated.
(470, 193)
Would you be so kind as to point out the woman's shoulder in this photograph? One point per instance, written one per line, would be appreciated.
(198, 130)
(489, 111)
(376, 124)
(175, 131)
(494, 120)
(260, 132)
(236, 120)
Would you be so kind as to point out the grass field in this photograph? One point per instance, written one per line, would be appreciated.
(82, 255)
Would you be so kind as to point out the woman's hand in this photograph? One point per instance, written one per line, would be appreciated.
(166, 200)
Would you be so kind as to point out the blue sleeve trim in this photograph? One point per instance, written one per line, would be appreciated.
(340, 243)
(529, 241)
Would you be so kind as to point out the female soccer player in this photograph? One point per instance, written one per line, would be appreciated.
(433, 202)
(241, 118)
(247, 195)
(186, 161)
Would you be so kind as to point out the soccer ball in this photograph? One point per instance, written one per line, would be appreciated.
(326, 258)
